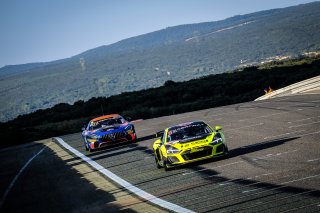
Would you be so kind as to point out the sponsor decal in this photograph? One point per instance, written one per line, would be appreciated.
(199, 142)
(196, 150)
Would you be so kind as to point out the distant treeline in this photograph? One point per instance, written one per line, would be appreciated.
(171, 98)
(178, 53)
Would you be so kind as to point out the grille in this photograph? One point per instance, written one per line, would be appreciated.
(187, 155)
(173, 159)
(220, 148)
(114, 136)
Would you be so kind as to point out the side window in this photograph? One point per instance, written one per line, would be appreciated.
(163, 137)
(121, 120)
(208, 129)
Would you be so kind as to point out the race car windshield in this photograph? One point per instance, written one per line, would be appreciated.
(178, 133)
(106, 122)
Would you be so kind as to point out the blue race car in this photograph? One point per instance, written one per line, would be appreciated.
(106, 130)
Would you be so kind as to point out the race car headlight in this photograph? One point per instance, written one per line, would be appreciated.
(92, 138)
(172, 150)
(216, 139)
(129, 129)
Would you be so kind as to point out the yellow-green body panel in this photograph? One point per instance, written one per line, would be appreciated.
(190, 151)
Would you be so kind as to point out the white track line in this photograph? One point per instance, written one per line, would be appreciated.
(17, 176)
(305, 178)
(313, 160)
(145, 195)
(264, 116)
(288, 133)
(285, 134)
(312, 133)
(200, 170)
(303, 124)
(281, 184)
(243, 127)
(290, 122)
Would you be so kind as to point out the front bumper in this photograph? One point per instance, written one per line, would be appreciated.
(117, 138)
(192, 155)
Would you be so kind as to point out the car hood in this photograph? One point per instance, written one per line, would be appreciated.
(109, 129)
(196, 138)
(191, 139)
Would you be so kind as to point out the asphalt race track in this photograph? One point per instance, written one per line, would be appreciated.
(274, 163)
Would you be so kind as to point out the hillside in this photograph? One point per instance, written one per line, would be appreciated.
(176, 53)
(171, 98)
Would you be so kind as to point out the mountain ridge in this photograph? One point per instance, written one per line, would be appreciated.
(149, 60)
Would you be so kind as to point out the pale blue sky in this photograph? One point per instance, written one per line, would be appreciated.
(46, 30)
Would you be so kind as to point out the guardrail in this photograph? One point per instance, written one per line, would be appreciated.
(300, 87)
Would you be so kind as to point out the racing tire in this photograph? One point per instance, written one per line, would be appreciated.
(225, 152)
(156, 155)
(157, 163)
(135, 139)
(86, 146)
(165, 166)
(89, 149)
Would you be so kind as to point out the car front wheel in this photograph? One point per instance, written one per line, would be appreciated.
(157, 163)
(165, 165)
(159, 166)
(86, 146)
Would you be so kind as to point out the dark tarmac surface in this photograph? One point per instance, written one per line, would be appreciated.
(274, 164)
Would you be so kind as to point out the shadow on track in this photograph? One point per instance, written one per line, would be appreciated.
(238, 194)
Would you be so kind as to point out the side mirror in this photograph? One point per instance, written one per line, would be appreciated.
(218, 128)
(159, 134)
(157, 142)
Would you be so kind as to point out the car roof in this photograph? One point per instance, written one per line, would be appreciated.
(105, 117)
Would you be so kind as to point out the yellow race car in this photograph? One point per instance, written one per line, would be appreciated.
(188, 142)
